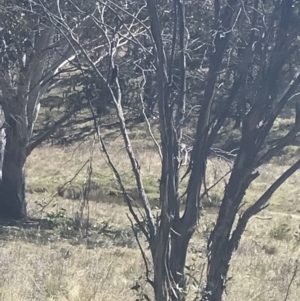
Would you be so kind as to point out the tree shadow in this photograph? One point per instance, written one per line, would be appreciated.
(29, 223)
(46, 231)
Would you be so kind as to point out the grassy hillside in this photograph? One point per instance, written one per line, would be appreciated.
(56, 259)
(55, 256)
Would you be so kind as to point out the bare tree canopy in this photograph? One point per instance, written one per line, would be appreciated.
(248, 67)
(243, 66)
(35, 58)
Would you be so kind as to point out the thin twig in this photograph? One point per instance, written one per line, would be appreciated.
(292, 280)
(215, 184)
(145, 259)
(146, 118)
(64, 185)
(87, 187)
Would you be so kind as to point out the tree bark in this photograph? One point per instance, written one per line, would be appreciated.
(12, 191)
(169, 257)
(12, 186)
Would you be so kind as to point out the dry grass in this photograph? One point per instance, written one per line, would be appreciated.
(59, 271)
(60, 262)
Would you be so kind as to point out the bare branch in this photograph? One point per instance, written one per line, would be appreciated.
(47, 133)
(284, 141)
(259, 204)
(206, 191)
(294, 275)
(145, 259)
(146, 118)
(127, 198)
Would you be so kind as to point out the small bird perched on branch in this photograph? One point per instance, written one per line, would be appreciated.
(114, 74)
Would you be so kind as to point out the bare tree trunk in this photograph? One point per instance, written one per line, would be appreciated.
(12, 190)
(220, 254)
(12, 187)
(169, 254)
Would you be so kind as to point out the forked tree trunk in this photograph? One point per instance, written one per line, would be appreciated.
(169, 262)
(12, 187)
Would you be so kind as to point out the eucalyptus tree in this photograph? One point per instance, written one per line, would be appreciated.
(249, 67)
(34, 58)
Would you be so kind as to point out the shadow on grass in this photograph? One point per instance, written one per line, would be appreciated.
(47, 231)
